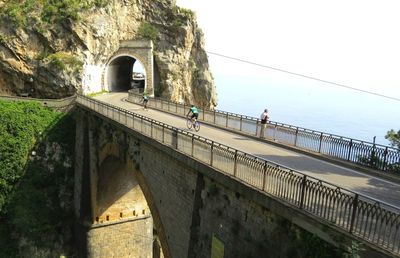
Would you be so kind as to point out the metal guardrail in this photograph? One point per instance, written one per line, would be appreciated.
(368, 154)
(364, 217)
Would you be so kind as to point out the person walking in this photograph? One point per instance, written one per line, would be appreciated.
(145, 100)
(264, 118)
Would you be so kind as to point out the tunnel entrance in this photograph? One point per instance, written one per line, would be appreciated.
(125, 73)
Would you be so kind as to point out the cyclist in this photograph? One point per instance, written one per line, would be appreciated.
(195, 113)
(145, 100)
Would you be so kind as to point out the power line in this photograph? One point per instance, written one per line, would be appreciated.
(304, 76)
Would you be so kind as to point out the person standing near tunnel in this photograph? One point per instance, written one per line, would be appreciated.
(145, 100)
(264, 118)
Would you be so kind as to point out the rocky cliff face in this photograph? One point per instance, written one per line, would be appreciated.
(44, 49)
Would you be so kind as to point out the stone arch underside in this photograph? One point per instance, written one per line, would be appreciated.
(122, 207)
(119, 195)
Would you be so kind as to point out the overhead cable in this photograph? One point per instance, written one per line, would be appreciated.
(304, 76)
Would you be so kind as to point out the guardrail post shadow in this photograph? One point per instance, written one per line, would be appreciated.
(353, 214)
(163, 134)
(174, 140)
(214, 116)
(384, 158)
(212, 152)
(320, 143)
(257, 125)
(295, 137)
(264, 175)
(151, 128)
(303, 191)
(192, 145)
(235, 164)
(350, 146)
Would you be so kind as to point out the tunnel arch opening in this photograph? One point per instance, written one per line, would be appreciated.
(125, 72)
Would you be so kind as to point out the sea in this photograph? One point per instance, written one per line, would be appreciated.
(306, 103)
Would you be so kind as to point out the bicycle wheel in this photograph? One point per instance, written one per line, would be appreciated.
(196, 126)
(189, 123)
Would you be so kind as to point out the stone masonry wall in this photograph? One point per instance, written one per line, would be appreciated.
(123, 239)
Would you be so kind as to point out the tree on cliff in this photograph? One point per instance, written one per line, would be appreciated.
(394, 138)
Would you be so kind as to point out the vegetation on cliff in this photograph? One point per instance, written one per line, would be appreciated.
(46, 12)
(36, 180)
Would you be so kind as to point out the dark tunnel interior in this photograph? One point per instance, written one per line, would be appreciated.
(120, 74)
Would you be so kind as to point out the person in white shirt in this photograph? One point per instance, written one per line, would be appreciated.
(264, 118)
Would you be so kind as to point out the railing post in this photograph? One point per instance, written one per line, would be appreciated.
(241, 122)
(192, 144)
(320, 143)
(212, 152)
(303, 191)
(265, 175)
(295, 137)
(353, 214)
(151, 128)
(176, 108)
(256, 127)
(163, 133)
(214, 116)
(384, 158)
(350, 146)
(235, 164)
(226, 122)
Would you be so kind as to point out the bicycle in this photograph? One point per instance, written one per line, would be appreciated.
(193, 123)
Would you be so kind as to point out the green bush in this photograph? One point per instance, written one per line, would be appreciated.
(35, 202)
(147, 31)
(20, 125)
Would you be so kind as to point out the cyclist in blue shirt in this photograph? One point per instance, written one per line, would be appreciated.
(195, 113)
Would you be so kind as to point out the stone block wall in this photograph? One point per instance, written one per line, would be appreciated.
(121, 239)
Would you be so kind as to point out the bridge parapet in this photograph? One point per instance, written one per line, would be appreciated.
(374, 222)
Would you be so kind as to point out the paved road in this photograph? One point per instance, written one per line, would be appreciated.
(376, 188)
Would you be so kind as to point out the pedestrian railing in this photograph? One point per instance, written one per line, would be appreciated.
(362, 216)
(368, 154)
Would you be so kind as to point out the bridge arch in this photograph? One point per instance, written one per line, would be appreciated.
(120, 199)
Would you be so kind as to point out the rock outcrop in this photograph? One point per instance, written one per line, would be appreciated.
(43, 54)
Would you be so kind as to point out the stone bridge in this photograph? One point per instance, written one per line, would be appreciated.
(146, 189)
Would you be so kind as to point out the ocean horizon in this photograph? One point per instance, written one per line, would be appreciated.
(309, 104)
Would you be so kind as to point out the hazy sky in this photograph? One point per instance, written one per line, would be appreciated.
(351, 42)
